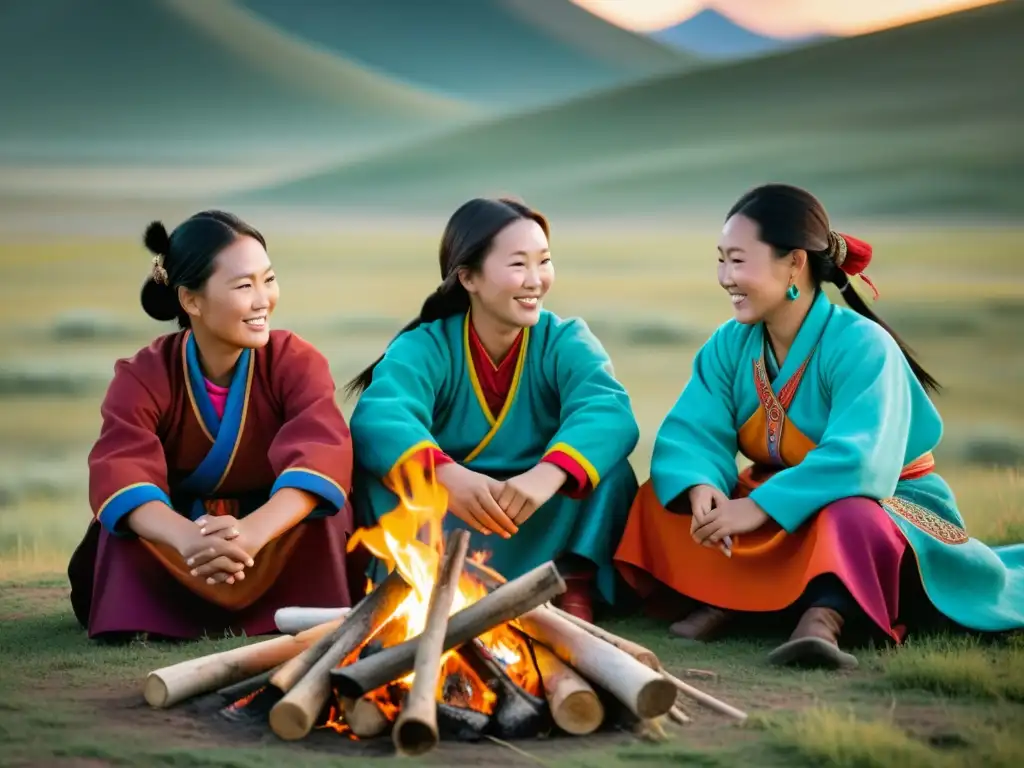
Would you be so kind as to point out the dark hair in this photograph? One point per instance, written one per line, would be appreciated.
(791, 218)
(465, 243)
(186, 258)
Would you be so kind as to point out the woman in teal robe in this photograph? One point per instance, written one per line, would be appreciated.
(841, 516)
(518, 410)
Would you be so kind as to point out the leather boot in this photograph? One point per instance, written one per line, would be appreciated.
(815, 643)
(702, 624)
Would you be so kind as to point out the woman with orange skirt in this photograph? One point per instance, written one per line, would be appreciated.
(841, 518)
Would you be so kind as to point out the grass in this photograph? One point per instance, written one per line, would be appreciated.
(959, 667)
(69, 308)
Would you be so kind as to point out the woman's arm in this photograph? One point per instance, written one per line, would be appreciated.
(862, 449)
(697, 443)
(597, 428)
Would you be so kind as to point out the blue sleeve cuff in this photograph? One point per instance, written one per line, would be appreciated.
(125, 501)
(332, 494)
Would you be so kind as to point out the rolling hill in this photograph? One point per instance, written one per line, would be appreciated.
(918, 120)
(713, 36)
(500, 53)
(134, 81)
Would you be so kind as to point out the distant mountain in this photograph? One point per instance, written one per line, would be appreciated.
(137, 81)
(916, 120)
(712, 35)
(499, 53)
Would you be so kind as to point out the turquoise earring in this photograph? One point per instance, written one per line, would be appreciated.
(792, 292)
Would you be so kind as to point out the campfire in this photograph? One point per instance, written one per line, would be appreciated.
(442, 648)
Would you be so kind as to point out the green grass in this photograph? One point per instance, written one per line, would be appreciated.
(905, 122)
(68, 309)
(959, 667)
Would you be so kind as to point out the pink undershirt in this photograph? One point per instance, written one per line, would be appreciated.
(218, 397)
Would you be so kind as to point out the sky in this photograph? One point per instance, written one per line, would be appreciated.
(781, 18)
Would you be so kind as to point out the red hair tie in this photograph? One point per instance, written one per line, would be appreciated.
(852, 256)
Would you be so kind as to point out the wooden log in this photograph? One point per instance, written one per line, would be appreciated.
(168, 686)
(646, 693)
(294, 716)
(415, 729)
(294, 619)
(236, 691)
(289, 675)
(460, 723)
(508, 601)
(365, 717)
(575, 707)
(702, 698)
(637, 651)
(518, 714)
(678, 715)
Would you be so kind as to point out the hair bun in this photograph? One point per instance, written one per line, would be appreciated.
(157, 240)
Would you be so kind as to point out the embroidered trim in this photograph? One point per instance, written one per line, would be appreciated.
(926, 520)
(775, 407)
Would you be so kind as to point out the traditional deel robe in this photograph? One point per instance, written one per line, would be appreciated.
(840, 439)
(169, 435)
(554, 398)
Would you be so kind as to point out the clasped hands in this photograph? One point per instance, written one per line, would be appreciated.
(716, 516)
(219, 549)
(492, 506)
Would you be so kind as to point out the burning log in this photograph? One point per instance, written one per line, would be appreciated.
(461, 723)
(365, 717)
(293, 620)
(416, 728)
(518, 714)
(233, 693)
(294, 716)
(507, 602)
(645, 692)
(575, 707)
(369, 614)
(170, 685)
(637, 651)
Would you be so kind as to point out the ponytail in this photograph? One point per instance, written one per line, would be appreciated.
(846, 257)
(449, 299)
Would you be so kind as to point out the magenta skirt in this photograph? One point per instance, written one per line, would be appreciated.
(118, 588)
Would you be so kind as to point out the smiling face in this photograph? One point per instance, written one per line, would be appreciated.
(515, 275)
(751, 272)
(236, 303)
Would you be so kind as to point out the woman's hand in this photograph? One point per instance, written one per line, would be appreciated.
(214, 558)
(704, 498)
(728, 519)
(526, 493)
(472, 497)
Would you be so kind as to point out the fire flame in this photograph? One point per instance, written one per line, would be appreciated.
(410, 538)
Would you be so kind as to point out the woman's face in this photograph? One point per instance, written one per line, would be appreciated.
(236, 303)
(515, 276)
(748, 269)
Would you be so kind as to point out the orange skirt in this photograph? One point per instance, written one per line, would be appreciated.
(853, 539)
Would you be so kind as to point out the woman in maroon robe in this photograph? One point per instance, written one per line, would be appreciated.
(219, 481)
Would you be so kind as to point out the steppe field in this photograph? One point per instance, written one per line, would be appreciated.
(348, 133)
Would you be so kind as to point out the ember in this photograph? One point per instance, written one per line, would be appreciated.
(443, 647)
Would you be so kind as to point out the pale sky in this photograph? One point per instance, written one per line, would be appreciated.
(783, 18)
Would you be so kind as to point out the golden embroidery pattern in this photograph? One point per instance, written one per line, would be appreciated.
(926, 520)
(775, 407)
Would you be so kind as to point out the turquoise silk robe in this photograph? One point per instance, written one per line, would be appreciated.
(868, 416)
(564, 397)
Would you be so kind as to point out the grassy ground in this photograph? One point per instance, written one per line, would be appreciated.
(68, 308)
